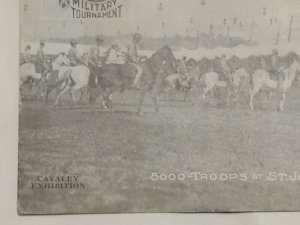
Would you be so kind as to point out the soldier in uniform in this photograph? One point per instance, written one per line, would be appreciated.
(134, 59)
(26, 55)
(74, 56)
(226, 67)
(95, 59)
(41, 60)
(263, 63)
(276, 68)
(182, 69)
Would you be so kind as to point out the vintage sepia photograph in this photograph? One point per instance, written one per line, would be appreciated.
(161, 106)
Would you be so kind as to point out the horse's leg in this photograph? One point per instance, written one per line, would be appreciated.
(228, 96)
(251, 101)
(236, 100)
(73, 93)
(107, 96)
(141, 99)
(48, 90)
(281, 103)
(206, 90)
(60, 93)
(165, 95)
(270, 95)
(153, 94)
(185, 94)
(253, 92)
(83, 91)
(31, 82)
(237, 93)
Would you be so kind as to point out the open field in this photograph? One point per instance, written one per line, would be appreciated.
(115, 154)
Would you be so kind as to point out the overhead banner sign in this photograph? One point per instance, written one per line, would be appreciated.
(85, 9)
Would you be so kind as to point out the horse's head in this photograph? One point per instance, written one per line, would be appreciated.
(62, 59)
(244, 73)
(85, 58)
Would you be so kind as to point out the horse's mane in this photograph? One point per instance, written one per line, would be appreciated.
(165, 48)
(56, 56)
(154, 63)
(155, 58)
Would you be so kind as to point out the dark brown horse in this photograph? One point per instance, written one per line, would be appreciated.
(120, 77)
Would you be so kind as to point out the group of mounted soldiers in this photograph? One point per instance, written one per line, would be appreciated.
(95, 60)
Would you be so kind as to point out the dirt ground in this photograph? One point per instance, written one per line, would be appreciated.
(116, 153)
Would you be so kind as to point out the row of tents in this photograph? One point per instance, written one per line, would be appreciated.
(239, 56)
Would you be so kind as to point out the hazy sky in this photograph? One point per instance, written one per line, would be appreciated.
(177, 15)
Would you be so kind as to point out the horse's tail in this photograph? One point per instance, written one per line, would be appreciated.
(251, 84)
(201, 80)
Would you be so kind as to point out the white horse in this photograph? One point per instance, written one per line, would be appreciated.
(73, 79)
(209, 81)
(262, 77)
(27, 71)
(237, 77)
(61, 60)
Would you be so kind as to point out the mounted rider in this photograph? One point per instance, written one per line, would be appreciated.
(182, 69)
(74, 55)
(26, 55)
(226, 67)
(41, 60)
(122, 52)
(134, 59)
(95, 59)
(276, 68)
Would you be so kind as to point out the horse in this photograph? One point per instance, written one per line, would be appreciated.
(174, 82)
(261, 77)
(235, 83)
(70, 78)
(27, 71)
(120, 77)
(211, 79)
(61, 60)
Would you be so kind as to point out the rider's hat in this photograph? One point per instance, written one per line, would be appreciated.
(28, 47)
(137, 36)
(223, 55)
(73, 42)
(42, 42)
(99, 38)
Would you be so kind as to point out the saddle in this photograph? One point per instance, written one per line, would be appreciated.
(38, 68)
